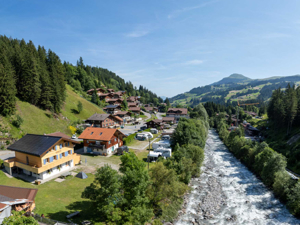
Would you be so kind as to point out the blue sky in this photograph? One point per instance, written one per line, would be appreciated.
(168, 46)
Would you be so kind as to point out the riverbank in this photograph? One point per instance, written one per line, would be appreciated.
(228, 192)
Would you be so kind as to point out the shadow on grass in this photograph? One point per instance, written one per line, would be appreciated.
(87, 212)
(75, 111)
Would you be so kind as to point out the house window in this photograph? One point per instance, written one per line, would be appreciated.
(115, 139)
(60, 155)
(70, 152)
(66, 154)
(60, 146)
(51, 159)
(109, 142)
(56, 157)
(55, 147)
(45, 161)
(87, 142)
(97, 142)
(68, 143)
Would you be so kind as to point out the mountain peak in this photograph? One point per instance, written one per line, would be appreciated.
(233, 78)
(238, 76)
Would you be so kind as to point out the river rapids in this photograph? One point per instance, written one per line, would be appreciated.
(228, 193)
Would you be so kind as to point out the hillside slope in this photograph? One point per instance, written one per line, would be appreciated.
(38, 121)
(235, 87)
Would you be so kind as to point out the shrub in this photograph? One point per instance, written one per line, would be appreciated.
(18, 121)
(129, 139)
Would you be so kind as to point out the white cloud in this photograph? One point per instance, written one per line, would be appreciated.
(194, 62)
(179, 11)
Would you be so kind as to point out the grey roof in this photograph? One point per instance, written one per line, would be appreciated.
(111, 106)
(5, 198)
(34, 144)
(99, 117)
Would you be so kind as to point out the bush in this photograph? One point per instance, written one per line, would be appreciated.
(79, 130)
(1, 163)
(17, 122)
(129, 139)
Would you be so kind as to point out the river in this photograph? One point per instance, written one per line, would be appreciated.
(228, 193)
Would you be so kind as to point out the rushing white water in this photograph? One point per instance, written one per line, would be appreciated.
(228, 193)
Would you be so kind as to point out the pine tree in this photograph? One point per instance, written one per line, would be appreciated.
(7, 89)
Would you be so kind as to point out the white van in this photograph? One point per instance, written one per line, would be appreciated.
(166, 152)
(161, 144)
(148, 133)
(153, 156)
(154, 131)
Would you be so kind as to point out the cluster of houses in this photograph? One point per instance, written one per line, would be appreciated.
(114, 99)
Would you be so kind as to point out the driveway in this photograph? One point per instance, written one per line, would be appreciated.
(131, 129)
(6, 154)
(159, 115)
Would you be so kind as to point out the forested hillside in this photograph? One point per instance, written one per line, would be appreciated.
(37, 76)
(234, 87)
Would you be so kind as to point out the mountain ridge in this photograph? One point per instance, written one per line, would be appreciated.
(235, 86)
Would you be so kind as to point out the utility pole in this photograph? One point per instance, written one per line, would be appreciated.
(149, 152)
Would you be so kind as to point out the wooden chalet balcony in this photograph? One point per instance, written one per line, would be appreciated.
(49, 165)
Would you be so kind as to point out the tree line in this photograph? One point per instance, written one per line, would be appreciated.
(139, 195)
(38, 76)
(263, 161)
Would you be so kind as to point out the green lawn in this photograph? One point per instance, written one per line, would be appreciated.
(56, 200)
(38, 121)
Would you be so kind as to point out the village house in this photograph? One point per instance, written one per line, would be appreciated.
(132, 104)
(114, 101)
(42, 156)
(99, 91)
(111, 90)
(177, 113)
(16, 199)
(149, 109)
(132, 99)
(103, 141)
(135, 110)
(112, 109)
(157, 123)
(118, 94)
(105, 96)
(124, 115)
(104, 120)
(169, 120)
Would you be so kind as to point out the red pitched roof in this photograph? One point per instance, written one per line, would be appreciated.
(59, 134)
(135, 109)
(180, 110)
(18, 193)
(101, 134)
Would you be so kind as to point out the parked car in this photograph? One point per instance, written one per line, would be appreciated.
(153, 130)
(74, 136)
(122, 126)
(143, 128)
(165, 137)
(121, 150)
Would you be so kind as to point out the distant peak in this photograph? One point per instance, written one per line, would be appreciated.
(238, 76)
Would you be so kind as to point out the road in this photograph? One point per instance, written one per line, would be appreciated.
(6, 154)
(130, 129)
(159, 115)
